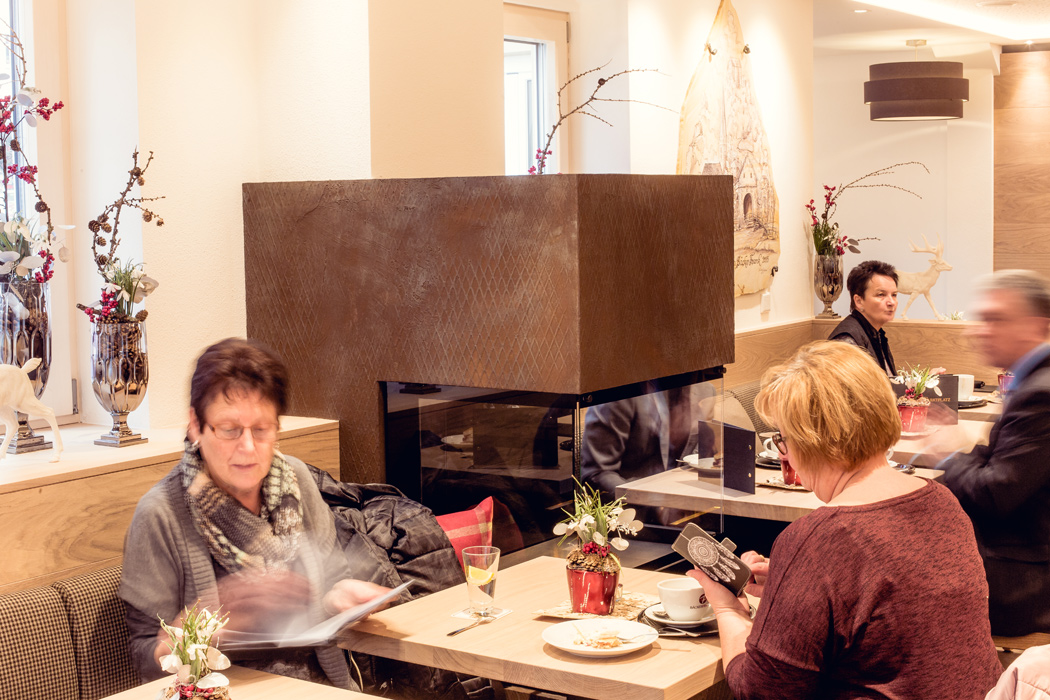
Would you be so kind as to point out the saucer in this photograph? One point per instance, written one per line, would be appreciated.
(655, 613)
(769, 456)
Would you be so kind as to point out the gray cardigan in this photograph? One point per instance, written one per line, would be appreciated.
(167, 567)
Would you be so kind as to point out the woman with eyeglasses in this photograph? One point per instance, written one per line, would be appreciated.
(880, 593)
(240, 525)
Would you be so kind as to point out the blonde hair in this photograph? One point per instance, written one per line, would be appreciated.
(834, 405)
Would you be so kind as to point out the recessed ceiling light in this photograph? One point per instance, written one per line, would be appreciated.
(860, 12)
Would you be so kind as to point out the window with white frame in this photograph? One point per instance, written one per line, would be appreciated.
(524, 93)
(535, 64)
(18, 14)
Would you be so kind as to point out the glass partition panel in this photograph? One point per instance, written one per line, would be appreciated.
(451, 447)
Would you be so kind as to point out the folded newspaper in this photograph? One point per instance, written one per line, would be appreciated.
(318, 635)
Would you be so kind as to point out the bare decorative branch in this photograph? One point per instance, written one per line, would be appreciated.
(586, 108)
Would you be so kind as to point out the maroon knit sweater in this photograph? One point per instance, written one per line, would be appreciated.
(887, 600)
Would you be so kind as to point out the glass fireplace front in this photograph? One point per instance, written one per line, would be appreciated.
(450, 447)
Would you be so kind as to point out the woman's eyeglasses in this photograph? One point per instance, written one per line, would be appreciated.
(234, 432)
(778, 440)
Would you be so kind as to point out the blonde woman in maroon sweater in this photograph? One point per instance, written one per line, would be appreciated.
(881, 593)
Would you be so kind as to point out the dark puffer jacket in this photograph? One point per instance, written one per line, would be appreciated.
(388, 539)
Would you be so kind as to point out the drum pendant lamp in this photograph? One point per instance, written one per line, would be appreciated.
(916, 91)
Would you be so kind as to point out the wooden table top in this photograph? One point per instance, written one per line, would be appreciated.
(512, 650)
(248, 684)
(681, 488)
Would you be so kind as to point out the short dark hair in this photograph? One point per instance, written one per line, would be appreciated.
(238, 364)
(857, 282)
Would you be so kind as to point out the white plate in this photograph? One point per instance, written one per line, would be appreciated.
(656, 614)
(565, 634)
(696, 462)
(770, 456)
(457, 440)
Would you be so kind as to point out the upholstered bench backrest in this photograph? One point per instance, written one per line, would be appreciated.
(99, 635)
(36, 650)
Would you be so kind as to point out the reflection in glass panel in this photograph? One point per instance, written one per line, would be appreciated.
(451, 447)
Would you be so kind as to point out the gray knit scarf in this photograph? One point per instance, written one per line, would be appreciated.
(237, 538)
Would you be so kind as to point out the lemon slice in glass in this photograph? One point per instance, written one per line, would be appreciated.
(479, 577)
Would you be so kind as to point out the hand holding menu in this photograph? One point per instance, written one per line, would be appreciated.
(318, 635)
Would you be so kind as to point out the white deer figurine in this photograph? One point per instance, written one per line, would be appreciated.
(16, 394)
(916, 283)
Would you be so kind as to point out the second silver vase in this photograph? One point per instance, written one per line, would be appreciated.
(120, 372)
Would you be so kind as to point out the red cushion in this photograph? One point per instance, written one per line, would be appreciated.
(468, 528)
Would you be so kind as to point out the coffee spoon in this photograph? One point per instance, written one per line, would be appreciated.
(482, 618)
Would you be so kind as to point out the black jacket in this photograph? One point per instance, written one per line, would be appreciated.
(1005, 489)
(388, 538)
(856, 329)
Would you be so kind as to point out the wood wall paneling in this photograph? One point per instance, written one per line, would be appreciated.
(1023, 80)
(761, 348)
(938, 343)
(1022, 163)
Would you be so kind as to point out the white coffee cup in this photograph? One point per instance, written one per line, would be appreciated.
(965, 386)
(683, 599)
(769, 449)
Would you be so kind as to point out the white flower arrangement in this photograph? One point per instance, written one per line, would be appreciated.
(917, 380)
(193, 659)
(598, 524)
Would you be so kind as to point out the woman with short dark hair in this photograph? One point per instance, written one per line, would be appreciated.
(872, 287)
(239, 525)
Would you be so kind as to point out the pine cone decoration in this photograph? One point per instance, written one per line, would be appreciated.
(94, 226)
(41, 206)
(592, 561)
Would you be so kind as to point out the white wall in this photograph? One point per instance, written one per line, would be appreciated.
(956, 196)
(103, 125)
(229, 93)
(223, 93)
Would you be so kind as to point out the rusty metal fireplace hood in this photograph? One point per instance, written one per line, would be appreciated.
(557, 283)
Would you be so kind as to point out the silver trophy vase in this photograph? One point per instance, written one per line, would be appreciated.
(827, 282)
(120, 372)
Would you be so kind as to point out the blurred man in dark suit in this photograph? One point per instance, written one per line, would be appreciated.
(1005, 485)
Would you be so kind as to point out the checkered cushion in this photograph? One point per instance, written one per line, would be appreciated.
(468, 528)
(36, 656)
(100, 637)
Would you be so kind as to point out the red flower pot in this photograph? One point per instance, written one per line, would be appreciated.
(913, 418)
(592, 591)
